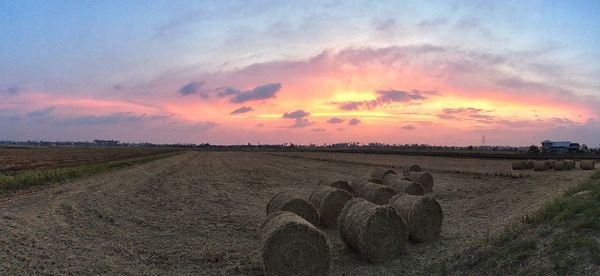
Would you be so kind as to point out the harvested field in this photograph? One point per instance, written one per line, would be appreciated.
(201, 213)
(14, 160)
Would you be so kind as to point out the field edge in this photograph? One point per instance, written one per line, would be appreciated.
(11, 184)
(561, 238)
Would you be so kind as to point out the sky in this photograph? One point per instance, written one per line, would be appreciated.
(270, 72)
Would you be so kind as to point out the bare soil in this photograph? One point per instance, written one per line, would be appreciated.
(199, 212)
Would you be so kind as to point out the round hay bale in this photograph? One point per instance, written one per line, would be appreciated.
(358, 182)
(424, 178)
(572, 164)
(380, 173)
(422, 214)
(529, 164)
(340, 184)
(376, 193)
(519, 165)
(411, 168)
(541, 166)
(561, 165)
(293, 246)
(389, 178)
(587, 164)
(377, 232)
(286, 201)
(552, 163)
(329, 202)
(409, 187)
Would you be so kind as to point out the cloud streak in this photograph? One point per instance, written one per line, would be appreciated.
(388, 97)
(243, 109)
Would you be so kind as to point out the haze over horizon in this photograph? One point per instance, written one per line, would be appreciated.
(233, 72)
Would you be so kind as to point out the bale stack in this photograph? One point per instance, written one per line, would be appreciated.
(380, 173)
(541, 166)
(392, 177)
(376, 193)
(552, 163)
(403, 186)
(377, 232)
(329, 202)
(411, 168)
(529, 164)
(293, 246)
(340, 184)
(587, 164)
(286, 201)
(424, 178)
(422, 214)
(357, 183)
(519, 165)
(572, 164)
(561, 165)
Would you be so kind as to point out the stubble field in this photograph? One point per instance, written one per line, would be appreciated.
(199, 213)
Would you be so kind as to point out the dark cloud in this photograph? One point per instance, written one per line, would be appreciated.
(408, 127)
(259, 93)
(296, 114)
(389, 97)
(318, 129)
(41, 113)
(227, 91)
(350, 105)
(354, 122)
(300, 123)
(242, 109)
(335, 120)
(12, 90)
(191, 88)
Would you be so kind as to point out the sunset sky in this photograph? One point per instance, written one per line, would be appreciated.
(234, 72)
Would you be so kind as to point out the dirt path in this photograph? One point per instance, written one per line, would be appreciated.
(198, 213)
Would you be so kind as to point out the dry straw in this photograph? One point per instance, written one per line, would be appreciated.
(329, 202)
(529, 164)
(293, 246)
(519, 165)
(340, 184)
(380, 173)
(422, 214)
(377, 232)
(587, 164)
(376, 193)
(541, 165)
(411, 168)
(391, 177)
(572, 164)
(424, 178)
(357, 183)
(402, 186)
(286, 201)
(561, 165)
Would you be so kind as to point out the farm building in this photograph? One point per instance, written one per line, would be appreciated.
(560, 146)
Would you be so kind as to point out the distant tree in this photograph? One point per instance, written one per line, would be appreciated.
(534, 149)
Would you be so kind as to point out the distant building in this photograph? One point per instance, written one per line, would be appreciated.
(559, 146)
(106, 142)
